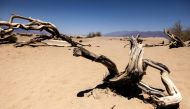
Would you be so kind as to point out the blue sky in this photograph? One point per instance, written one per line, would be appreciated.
(84, 16)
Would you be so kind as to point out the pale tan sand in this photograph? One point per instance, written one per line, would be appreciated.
(50, 77)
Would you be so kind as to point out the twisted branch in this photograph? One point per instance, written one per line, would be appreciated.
(176, 41)
(134, 73)
(35, 24)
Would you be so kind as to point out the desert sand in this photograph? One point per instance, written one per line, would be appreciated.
(51, 77)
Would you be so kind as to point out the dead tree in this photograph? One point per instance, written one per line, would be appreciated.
(175, 41)
(155, 45)
(134, 72)
(34, 24)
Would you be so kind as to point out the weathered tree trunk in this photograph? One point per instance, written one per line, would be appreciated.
(175, 41)
(112, 68)
(35, 24)
(134, 73)
(134, 70)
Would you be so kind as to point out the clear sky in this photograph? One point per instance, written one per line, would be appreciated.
(84, 16)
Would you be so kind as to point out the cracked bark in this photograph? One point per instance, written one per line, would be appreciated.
(134, 72)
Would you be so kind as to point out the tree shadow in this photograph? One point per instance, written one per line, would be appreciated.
(126, 90)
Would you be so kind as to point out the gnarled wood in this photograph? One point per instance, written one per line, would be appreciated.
(174, 95)
(134, 72)
(175, 41)
(149, 90)
(112, 68)
(35, 24)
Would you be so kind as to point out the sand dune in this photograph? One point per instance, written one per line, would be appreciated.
(51, 78)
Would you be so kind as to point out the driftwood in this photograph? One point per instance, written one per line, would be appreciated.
(134, 73)
(155, 45)
(175, 41)
(34, 24)
(8, 39)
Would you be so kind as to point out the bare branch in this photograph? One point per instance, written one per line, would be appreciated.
(134, 73)
(112, 68)
(176, 41)
(35, 24)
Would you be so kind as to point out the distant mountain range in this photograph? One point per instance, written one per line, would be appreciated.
(30, 31)
(116, 34)
(134, 33)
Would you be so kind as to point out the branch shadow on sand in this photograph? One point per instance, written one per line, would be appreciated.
(126, 90)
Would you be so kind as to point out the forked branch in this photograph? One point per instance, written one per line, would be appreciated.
(34, 24)
(134, 73)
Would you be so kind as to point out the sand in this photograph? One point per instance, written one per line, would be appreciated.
(50, 77)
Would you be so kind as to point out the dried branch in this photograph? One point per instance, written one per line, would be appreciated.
(176, 41)
(35, 24)
(134, 73)
(112, 68)
(155, 45)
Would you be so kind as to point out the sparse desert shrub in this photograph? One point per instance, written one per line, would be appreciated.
(80, 41)
(98, 34)
(186, 34)
(92, 34)
(78, 37)
(178, 30)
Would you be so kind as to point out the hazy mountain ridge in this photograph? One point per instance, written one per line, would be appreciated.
(30, 31)
(116, 34)
(142, 33)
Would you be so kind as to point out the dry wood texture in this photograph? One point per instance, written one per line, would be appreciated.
(175, 41)
(34, 24)
(134, 72)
